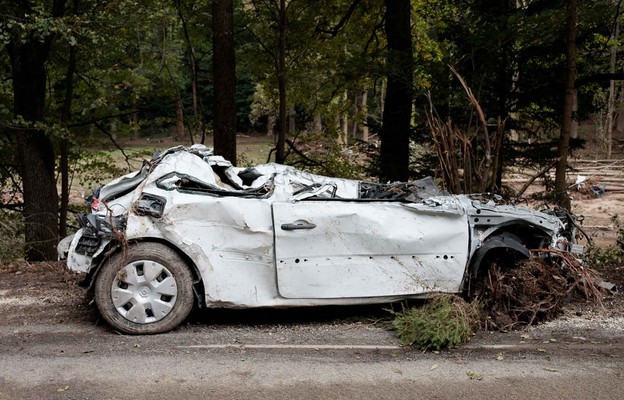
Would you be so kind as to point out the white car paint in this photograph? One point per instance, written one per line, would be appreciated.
(290, 238)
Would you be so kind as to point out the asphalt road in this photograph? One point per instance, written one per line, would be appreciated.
(317, 360)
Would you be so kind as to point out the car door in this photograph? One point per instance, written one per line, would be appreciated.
(347, 249)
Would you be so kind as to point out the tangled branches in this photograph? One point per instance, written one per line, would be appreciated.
(535, 290)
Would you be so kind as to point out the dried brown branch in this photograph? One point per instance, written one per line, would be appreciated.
(535, 290)
(541, 173)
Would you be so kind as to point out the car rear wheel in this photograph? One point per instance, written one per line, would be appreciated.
(145, 289)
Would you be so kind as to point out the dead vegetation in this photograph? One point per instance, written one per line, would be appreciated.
(535, 290)
(468, 158)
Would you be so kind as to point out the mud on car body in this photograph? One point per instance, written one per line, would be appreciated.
(191, 228)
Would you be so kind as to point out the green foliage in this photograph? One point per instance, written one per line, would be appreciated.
(95, 168)
(445, 321)
(324, 59)
(597, 257)
(11, 236)
(325, 156)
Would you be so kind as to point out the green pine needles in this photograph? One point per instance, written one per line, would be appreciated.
(445, 321)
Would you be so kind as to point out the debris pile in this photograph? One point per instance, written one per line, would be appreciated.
(535, 290)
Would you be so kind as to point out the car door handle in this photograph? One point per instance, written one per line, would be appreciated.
(298, 225)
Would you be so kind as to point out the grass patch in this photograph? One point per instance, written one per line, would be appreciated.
(445, 321)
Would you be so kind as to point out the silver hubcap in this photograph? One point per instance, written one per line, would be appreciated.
(144, 291)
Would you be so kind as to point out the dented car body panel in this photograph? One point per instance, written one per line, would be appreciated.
(275, 236)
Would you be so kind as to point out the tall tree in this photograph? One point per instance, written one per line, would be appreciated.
(29, 46)
(224, 79)
(395, 130)
(561, 184)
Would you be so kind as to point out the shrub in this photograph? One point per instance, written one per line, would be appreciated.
(11, 236)
(445, 321)
(611, 255)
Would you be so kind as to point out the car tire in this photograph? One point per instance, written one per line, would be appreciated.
(146, 288)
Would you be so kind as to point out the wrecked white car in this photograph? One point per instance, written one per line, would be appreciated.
(191, 228)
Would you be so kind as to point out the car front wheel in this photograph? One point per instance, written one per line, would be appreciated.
(146, 288)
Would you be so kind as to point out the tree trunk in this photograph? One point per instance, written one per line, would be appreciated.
(356, 116)
(395, 130)
(561, 184)
(180, 119)
(619, 122)
(64, 148)
(280, 153)
(317, 124)
(191, 54)
(270, 124)
(35, 152)
(382, 96)
(292, 121)
(343, 133)
(611, 101)
(224, 78)
(364, 112)
(574, 126)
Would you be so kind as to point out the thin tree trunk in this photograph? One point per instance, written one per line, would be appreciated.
(611, 100)
(561, 185)
(619, 123)
(292, 121)
(280, 153)
(317, 123)
(382, 96)
(191, 53)
(364, 112)
(270, 125)
(180, 119)
(64, 148)
(343, 134)
(574, 125)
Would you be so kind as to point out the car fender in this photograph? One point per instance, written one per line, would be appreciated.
(504, 240)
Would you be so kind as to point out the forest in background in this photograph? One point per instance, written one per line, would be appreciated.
(395, 89)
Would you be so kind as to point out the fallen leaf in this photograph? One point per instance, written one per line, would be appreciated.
(473, 375)
(499, 357)
(62, 389)
(542, 350)
(551, 370)
(434, 366)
